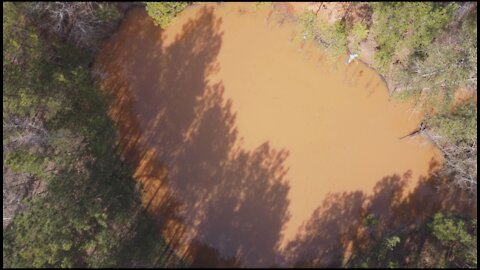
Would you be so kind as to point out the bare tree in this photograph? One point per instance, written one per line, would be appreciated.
(460, 161)
(24, 131)
(77, 22)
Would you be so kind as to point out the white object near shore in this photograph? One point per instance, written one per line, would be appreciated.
(352, 56)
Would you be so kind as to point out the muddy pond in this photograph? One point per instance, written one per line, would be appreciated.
(254, 149)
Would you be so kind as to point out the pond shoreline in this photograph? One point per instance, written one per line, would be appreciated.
(283, 142)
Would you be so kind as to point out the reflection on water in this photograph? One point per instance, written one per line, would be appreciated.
(238, 138)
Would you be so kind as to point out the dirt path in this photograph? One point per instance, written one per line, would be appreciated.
(240, 136)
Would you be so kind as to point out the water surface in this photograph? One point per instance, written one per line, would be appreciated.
(242, 137)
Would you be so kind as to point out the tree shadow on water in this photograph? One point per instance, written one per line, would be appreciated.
(337, 228)
(228, 204)
(321, 241)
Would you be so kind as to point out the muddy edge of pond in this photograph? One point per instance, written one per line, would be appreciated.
(335, 11)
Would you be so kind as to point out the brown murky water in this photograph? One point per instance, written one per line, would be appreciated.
(246, 142)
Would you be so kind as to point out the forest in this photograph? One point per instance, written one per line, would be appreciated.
(71, 200)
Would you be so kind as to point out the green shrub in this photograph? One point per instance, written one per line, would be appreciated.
(23, 64)
(21, 161)
(359, 31)
(371, 220)
(387, 246)
(107, 12)
(332, 37)
(406, 25)
(440, 69)
(335, 37)
(459, 236)
(448, 230)
(163, 13)
(259, 5)
(460, 126)
(308, 23)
